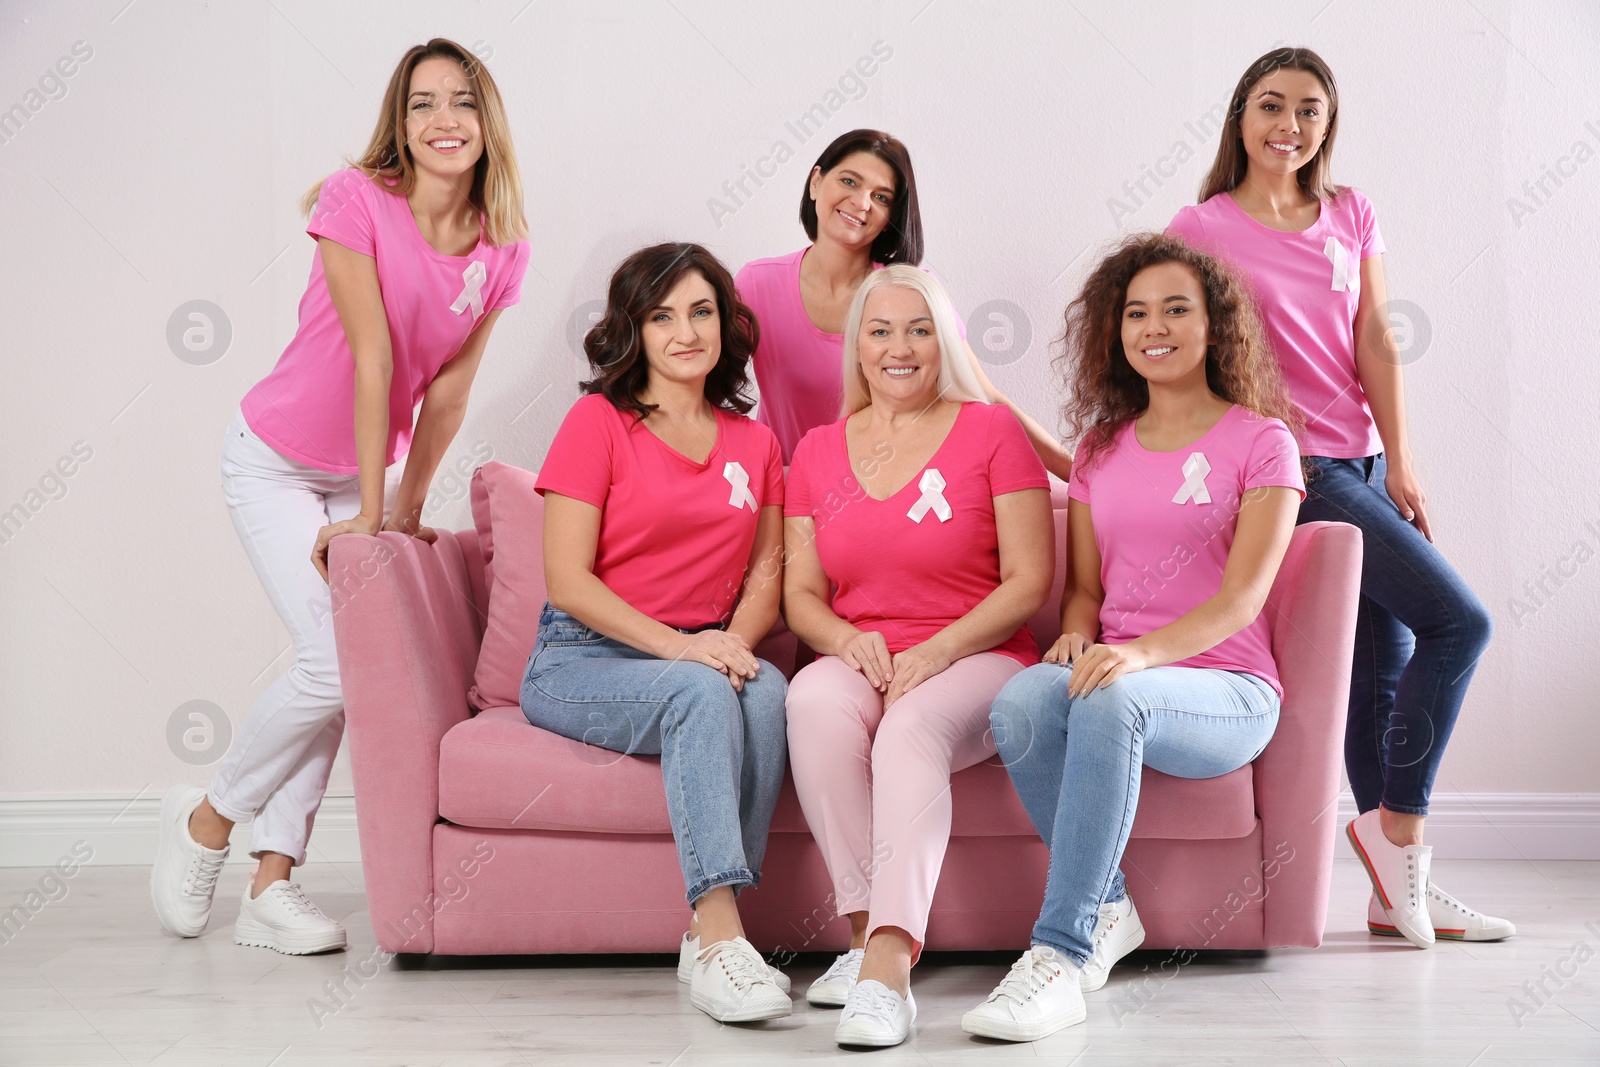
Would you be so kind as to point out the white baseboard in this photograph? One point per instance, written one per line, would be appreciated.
(122, 831)
(1508, 826)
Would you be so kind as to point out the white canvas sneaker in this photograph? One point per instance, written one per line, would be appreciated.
(281, 918)
(1037, 997)
(1117, 932)
(184, 879)
(689, 948)
(875, 1015)
(1399, 877)
(833, 987)
(1452, 920)
(733, 984)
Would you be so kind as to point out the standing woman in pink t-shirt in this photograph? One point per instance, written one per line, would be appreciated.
(917, 543)
(420, 244)
(1183, 504)
(1312, 252)
(859, 208)
(663, 540)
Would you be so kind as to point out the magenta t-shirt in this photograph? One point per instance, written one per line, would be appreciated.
(909, 566)
(305, 408)
(675, 535)
(1164, 522)
(1308, 285)
(797, 365)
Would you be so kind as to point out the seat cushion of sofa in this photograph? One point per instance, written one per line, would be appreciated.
(497, 771)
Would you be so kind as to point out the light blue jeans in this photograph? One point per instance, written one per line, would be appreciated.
(722, 753)
(1076, 762)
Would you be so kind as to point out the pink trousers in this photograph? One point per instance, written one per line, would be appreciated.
(875, 787)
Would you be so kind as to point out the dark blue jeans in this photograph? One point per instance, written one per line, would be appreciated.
(1419, 634)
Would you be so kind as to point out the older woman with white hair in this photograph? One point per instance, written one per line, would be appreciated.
(918, 540)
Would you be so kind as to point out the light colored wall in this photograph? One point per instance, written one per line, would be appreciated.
(170, 168)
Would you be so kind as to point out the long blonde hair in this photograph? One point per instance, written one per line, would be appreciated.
(496, 182)
(957, 380)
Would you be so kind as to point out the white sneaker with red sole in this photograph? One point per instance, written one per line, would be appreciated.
(1452, 920)
(1399, 877)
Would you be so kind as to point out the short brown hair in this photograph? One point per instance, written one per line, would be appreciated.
(1107, 392)
(901, 240)
(641, 282)
(1316, 175)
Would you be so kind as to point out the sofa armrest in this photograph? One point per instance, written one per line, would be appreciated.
(1312, 611)
(406, 629)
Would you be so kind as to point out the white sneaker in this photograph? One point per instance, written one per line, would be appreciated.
(733, 984)
(1037, 997)
(833, 987)
(1451, 919)
(184, 878)
(689, 948)
(1117, 932)
(281, 918)
(1399, 877)
(875, 1015)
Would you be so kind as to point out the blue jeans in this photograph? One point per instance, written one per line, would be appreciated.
(1076, 764)
(722, 753)
(1420, 632)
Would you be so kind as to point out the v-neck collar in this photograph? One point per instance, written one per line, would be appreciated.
(844, 440)
(716, 442)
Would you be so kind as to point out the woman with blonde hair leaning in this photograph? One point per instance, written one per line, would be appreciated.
(918, 542)
(420, 245)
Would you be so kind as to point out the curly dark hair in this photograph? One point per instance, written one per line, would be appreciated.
(901, 240)
(1107, 392)
(641, 282)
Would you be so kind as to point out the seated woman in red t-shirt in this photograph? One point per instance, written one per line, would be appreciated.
(927, 514)
(662, 548)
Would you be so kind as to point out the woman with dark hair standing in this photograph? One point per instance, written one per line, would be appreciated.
(1312, 251)
(860, 210)
(663, 543)
(420, 245)
(1183, 504)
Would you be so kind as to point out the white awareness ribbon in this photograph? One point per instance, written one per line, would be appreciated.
(741, 495)
(1195, 469)
(1343, 280)
(472, 290)
(932, 498)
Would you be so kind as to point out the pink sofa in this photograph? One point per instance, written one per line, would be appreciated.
(482, 834)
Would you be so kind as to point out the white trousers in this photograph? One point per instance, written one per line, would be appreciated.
(277, 769)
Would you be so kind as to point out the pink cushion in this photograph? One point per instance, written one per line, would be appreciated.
(498, 772)
(509, 516)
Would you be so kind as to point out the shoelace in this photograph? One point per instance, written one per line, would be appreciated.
(874, 1001)
(294, 898)
(1450, 902)
(846, 966)
(202, 874)
(743, 968)
(1026, 978)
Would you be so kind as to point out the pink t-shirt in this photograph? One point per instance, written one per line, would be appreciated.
(909, 578)
(675, 535)
(1308, 285)
(305, 408)
(797, 365)
(1164, 522)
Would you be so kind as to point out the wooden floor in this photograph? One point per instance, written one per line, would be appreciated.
(90, 979)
